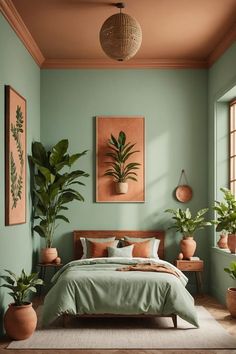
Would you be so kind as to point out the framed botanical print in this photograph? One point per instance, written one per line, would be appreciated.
(120, 162)
(15, 157)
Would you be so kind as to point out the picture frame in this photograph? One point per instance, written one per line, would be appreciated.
(106, 186)
(15, 157)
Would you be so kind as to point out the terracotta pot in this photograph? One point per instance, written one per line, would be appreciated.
(231, 301)
(232, 243)
(122, 187)
(188, 246)
(223, 241)
(48, 255)
(20, 321)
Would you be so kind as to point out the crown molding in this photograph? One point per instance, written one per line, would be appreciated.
(131, 64)
(223, 45)
(12, 16)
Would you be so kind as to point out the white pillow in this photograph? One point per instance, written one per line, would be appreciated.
(84, 243)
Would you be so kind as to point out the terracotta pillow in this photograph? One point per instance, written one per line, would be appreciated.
(141, 249)
(98, 249)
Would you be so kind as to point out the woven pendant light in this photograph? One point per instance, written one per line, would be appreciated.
(120, 35)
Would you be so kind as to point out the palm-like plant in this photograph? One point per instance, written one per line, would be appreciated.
(120, 152)
(52, 188)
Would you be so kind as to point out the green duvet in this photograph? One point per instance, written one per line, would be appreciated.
(94, 286)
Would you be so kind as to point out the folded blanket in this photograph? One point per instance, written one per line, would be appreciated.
(149, 267)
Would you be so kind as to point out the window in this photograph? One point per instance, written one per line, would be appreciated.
(232, 147)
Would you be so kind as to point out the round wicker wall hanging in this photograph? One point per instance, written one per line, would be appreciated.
(183, 191)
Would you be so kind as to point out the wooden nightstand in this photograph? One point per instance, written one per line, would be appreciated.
(43, 268)
(192, 266)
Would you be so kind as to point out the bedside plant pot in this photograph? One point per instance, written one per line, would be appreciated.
(232, 243)
(188, 247)
(122, 187)
(20, 321)
(231, 301)
(48, 255)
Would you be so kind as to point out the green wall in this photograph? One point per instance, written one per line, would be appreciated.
(174, 104)
(19, 70)
(222, 88)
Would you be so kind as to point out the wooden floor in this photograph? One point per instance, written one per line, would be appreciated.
(219, 312)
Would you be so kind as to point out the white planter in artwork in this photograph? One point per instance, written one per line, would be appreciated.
(122, 187)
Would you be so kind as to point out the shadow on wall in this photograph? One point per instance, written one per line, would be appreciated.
(2, 310)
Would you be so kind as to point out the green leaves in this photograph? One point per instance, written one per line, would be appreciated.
(226, 212)
(53, 189)
(232, 270)
(20, 286)
(120, 152)
(186, 223)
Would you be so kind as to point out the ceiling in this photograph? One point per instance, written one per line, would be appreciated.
(174, 31)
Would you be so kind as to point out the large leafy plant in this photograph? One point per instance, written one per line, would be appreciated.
(53, 186)
(120, 152)
(20, 286)
(226, 212)
(186, 223)
(231, 270)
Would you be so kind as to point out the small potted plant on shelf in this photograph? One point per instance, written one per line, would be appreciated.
(231, 292)
(20, 319)
(120, 170)
(187, 224)
(226, 217)
(53, 189)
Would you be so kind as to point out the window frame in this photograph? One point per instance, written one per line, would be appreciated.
(232, 146)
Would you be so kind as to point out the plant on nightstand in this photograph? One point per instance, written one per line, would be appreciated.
(53, 189)
(226, 217)
(231, 292)
(120, 170)
(20, 319)
(187, 224)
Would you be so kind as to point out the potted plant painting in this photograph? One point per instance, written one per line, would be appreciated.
(120, 170)
(20, 319)
(231, 292)
(188, 224)
(226, 217)
(53, 189)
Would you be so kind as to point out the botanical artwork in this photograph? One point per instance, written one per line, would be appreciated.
(120, 159)
(15, 174)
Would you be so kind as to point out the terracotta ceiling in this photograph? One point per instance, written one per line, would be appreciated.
(177, 32)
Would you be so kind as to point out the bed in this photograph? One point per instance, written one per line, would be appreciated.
(93, 286)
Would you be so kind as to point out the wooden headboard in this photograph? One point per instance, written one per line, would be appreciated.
(78, 251)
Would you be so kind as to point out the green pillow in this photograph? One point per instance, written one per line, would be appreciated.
(123, 252)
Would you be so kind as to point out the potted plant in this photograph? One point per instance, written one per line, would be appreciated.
(120, 170)
(231, 292)
(187, 224)
(53, 188)
(226, 217)
(20, 319)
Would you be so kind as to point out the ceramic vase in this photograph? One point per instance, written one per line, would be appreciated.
(232, 243)
(223, 241)
(48, 255)
(188, 247)
(20, 321)
(231, 301)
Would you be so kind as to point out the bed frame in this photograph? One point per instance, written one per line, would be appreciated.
(119, 234)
